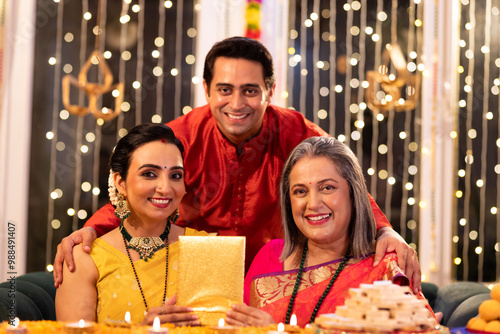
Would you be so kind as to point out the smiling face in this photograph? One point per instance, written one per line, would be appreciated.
(154, 185)
(320, 201)
(238, 97)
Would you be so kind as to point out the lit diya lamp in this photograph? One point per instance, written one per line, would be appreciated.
(157, 329)
(292, 328)
(222, 328)
(127, 317)
(120, 323)
(80, 327)
(15, 328)
(280, 329)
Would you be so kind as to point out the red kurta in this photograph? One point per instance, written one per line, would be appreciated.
(228, 193)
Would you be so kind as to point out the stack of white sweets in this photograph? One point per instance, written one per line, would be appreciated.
(381, 306)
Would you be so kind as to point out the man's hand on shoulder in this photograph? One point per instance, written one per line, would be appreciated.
(84, 236)
(389, 240)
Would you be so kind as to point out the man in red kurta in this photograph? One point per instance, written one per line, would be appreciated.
(235, 148)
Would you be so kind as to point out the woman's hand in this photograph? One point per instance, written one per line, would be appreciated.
(243, 315)
(173, 314)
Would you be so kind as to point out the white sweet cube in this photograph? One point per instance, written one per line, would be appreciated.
(355, 292)
(377, 315)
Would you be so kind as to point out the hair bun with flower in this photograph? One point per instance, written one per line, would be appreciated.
(113, 193)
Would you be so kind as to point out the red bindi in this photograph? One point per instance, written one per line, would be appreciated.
(163, 140)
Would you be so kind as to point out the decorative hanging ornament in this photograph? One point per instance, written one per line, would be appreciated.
(392, 84)
(252, 17)
(94, 90)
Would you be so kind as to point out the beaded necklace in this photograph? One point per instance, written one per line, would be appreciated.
(126, 240)
(327, 290)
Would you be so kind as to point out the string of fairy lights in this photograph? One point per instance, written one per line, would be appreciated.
(315, 56)
(53, 136)
(330, 37)
(391, 120)
(302, 57)
(124, 27)
(405, 134)
(140, 62)
(159, 54)
(178, 60)
(484, 130)
(413, 169)
(495, 90)
(327, 82)
(100, 43)
(477, 231)
(80, 120)
(360, 117)
(343, 102)
(375, 125)
(350, 58)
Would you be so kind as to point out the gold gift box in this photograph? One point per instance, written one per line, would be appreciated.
(211, 275)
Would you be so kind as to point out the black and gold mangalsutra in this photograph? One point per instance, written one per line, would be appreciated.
(127, 239)
(325, 293)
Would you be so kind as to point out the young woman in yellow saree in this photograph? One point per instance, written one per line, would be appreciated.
(134, 267)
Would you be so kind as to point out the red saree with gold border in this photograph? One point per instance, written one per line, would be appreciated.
(269, 288)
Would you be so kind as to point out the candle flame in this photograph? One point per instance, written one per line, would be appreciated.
(127, 316)
(156, 324)
(221, 322)
(281, 327)
(293, 320)
(15, 323)
(81, 323)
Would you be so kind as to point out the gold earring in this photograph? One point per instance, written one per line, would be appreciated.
(174, 216)
(122, 211)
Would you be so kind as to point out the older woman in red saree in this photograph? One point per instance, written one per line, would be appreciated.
(329, 239)
(269, 288)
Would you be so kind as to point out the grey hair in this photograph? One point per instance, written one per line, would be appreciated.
(362, 229)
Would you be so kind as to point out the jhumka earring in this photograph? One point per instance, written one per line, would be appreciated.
(174, 216)
(122, 211)
(118, 200)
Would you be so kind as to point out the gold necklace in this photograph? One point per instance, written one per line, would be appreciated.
(145, 246)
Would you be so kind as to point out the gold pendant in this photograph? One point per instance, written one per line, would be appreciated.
(146, 246)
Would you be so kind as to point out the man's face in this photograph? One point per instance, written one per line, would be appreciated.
(238, 97)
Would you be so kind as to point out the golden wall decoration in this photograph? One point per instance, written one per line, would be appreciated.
(392, 84)
(93, 90)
